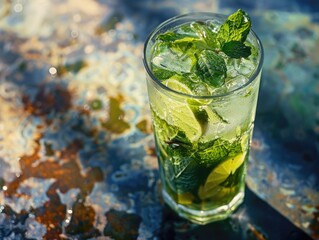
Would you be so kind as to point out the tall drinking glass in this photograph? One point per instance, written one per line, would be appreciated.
(203, 141)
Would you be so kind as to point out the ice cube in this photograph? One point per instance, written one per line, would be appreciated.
(220, 90)
(246, 67)
(231, 72)
(236, 82)
(201, 90)
(171, 59)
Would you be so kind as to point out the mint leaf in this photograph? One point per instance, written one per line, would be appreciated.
(213, 152)
(184, 46)
(179, 145)
(170, 36)
(182, 40)
(181, 168)
(161, 73)
(205, 33)
(235, 28)
(211, 68)
(236, 49)
(184, 174)
(190, 42)
(234, 148)
(172, 138)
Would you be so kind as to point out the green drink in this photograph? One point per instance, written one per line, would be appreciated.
(203, 79)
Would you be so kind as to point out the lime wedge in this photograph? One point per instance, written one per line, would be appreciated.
(182, 115)
(220, 174)
(176, 84)
(177, 112)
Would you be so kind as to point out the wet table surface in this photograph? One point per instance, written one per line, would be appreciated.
(77, 158)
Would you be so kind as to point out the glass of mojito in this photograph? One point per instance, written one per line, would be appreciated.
(203, 76)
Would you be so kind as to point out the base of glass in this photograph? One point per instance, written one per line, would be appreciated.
(203, 217)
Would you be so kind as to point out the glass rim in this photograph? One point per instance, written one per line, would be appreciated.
(213, 96)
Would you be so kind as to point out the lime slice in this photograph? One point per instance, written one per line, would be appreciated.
(220, 174)
(177, 112)
(176, 84)
(190, 86)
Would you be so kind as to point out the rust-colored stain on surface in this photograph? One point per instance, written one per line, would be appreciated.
(56, 99)
(82, 221)
(67, 175)
(51, 214)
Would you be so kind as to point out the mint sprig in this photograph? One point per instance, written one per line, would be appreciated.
(196, 48)
(235, 28)
(233, 33)
(230, 38)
